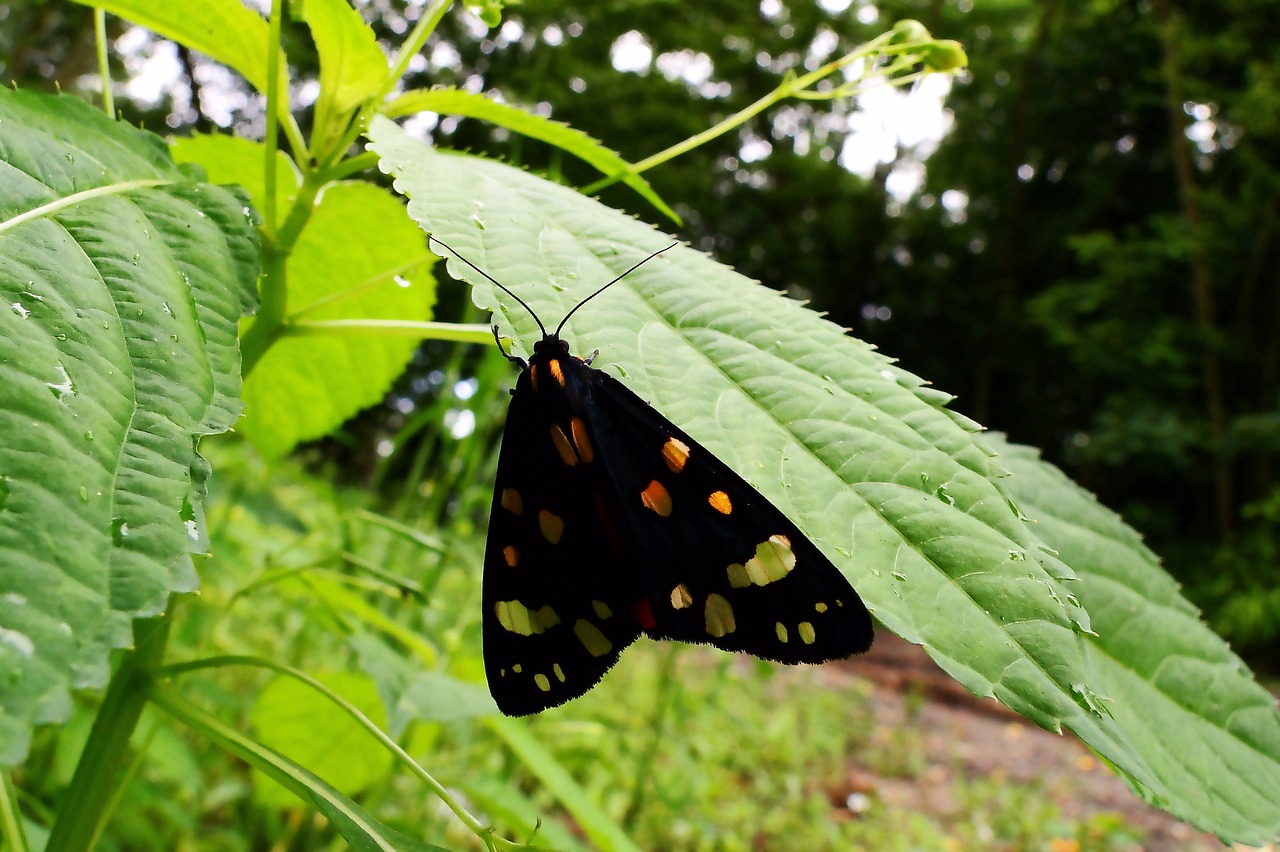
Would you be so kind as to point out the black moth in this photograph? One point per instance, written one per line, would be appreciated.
(609, 522)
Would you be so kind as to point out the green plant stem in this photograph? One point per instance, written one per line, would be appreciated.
(273, 302)
(87, 800)
(272, 141)
(172, 700)
(15, 839)
(786, 89)
(392, 328)
(414, 41)
(104, 68)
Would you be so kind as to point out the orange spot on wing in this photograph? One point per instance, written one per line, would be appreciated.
(581, 440)
(533, 376)
(551, 525)
(563, 447)
(720, 502)
(511, 501)
(511, 556)
(556, 372)
(655, 498)
(675, 452)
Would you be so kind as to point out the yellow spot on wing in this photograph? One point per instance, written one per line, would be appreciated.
(511, 501)
(602, 610)
(582, 440)
(511, 556)
(655, 498)
(517, 668)
(555, 667)
(596, 643)
(563, 447)
(805, 629)
(518, 618)
(719, 615)
(541, 680)
(676, 453)
(552, 526)
(821, 607)
(680, 597)
(774, 560)
(782, 631)
(720, 502)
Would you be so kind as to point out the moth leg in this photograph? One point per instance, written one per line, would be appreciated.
(514, 359)
(587, 360)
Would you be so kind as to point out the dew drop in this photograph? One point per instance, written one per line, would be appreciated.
(20, 642)
(20, 310)
(119, 531)
(401, 281)
(84, 494)
(88, 436)
(899, 576)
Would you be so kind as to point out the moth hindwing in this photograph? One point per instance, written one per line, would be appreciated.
(608, 521)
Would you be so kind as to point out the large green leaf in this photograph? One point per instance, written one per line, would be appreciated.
(357, 258)
(1207, 735)
(896, 489)
(320, 735)
(122, 280)
(225, 30)
(352, 67)
(453, 101)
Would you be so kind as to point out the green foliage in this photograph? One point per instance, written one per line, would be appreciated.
(1069, 620)
(122, 278)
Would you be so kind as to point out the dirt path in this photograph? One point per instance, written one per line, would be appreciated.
(974, 738)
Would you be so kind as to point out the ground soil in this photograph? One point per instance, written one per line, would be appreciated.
(980, 738)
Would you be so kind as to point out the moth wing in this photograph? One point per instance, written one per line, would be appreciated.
(558, 587)
(720, 564)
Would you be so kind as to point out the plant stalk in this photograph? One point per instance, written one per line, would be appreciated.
(86, 803)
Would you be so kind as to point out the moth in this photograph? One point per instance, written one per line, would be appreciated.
(610, 522)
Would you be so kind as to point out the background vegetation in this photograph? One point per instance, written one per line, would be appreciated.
(1087, 258)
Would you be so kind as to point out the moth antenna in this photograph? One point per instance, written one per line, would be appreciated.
(634, 267)
(499, 284)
